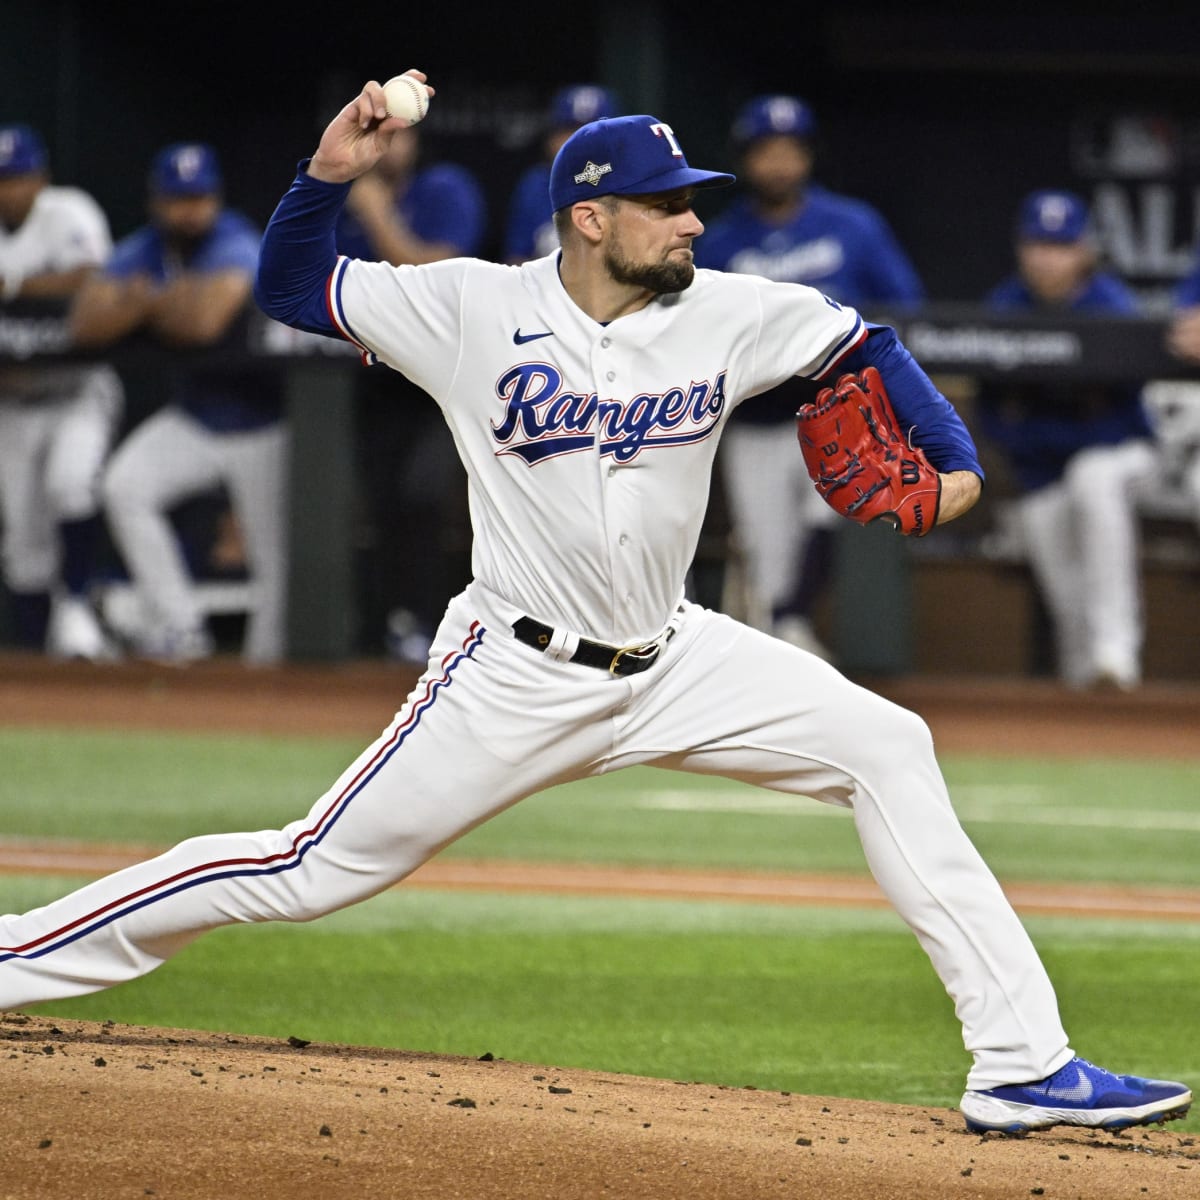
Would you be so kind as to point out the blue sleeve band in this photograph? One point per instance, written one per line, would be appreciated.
(299, 253)
(933, 421)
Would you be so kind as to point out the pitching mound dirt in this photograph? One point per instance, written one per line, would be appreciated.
(107, 1111)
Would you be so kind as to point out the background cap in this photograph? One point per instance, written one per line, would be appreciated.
(21, 150)
(769, 116)
(623, 156)
(185, 169)
(582, 102)
(1051, 216)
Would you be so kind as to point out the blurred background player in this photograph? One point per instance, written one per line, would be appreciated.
(414, 539)
(1183, 337)
(405, 212)
(1078, 453)
(1174, 404)
(788, 228)
(529, 232)
(57, 423)
(185, 279)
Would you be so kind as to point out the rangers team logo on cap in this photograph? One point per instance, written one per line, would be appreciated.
(21, 150)
(593, 174)
(186, 169)
(188, 162)
(623, 156)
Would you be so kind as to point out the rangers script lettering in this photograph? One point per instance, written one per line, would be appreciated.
(552, 421)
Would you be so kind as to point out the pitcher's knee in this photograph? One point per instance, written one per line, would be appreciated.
(302, 909)
(327, 882)
(894, 736)
(299, 898)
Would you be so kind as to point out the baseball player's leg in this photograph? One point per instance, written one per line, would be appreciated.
(486, 725)
(1051, 538)
(811, 572)
(82, 435)
(257, 481)
(83, 431)
(1191, 482)
(167, 458)
(759, 463)
(1102, 482)
(29, 548)
(752, 709)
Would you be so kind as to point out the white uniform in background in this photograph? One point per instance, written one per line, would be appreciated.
(57, 423)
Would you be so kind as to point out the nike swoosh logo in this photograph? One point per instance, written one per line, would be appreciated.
(519, 338)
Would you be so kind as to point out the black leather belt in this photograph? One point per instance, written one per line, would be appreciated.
(616, 660)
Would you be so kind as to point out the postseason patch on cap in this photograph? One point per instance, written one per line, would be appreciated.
(593, 174)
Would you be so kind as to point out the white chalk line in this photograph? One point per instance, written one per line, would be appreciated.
(984, 804)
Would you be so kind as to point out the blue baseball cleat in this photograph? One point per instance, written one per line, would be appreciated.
(1079, 1093)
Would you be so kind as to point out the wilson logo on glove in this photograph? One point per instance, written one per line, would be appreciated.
(860, 463)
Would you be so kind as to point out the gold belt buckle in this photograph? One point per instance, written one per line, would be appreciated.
(632, 650)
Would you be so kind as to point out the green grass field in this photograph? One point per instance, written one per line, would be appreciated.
(836, 1002)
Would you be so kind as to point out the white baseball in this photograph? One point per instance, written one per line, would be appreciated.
(406, 97)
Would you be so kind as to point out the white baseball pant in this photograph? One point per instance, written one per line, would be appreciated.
(492, 721)
(52, 452)
(774, 508)
(1082, 536)
(171, 456)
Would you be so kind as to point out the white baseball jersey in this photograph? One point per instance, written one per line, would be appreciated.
(586, 442)
(65, 229)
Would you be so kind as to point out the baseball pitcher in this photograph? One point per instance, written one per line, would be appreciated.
(586, 392)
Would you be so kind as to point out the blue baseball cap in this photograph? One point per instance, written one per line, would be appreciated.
(22, 151)
(623, 156)
(582, 102)
(774, 116)
(1053, 216)
(185, 169)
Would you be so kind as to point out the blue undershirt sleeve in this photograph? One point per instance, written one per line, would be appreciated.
(926, 415)
(299, 252)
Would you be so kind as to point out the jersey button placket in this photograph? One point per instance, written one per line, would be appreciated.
(602, 371)
(602, 359)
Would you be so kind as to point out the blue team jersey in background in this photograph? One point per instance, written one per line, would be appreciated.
(222, 401)
(1187, 293)
(837, 244)
(530, 229)
(442, 203)
(1104, 293)
(1040, 426)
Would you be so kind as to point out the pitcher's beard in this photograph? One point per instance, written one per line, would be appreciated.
(660, 278)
